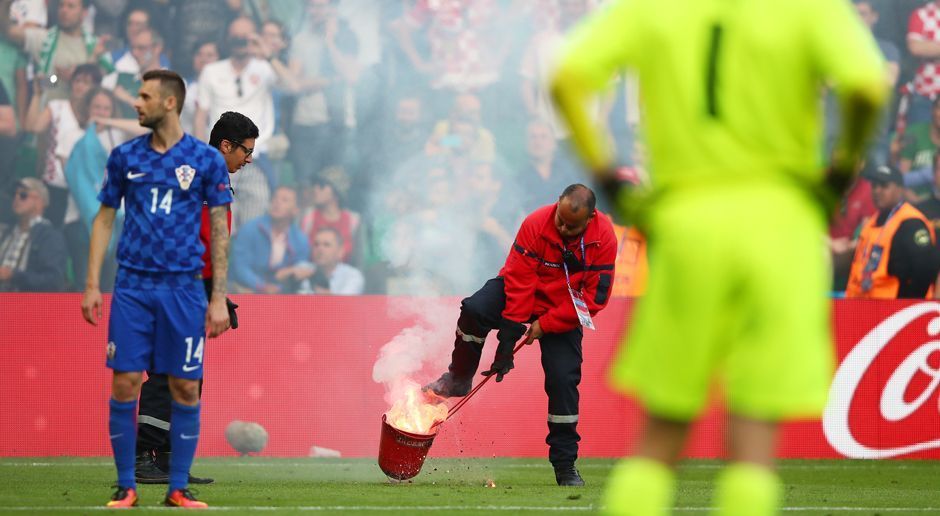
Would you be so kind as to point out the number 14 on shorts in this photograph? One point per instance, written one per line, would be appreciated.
(194, 356)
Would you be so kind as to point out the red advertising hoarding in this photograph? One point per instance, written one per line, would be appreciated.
(303, 368)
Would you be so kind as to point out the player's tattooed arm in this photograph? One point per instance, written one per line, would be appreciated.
(218, 219)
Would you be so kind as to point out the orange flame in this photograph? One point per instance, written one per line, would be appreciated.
(412, 412)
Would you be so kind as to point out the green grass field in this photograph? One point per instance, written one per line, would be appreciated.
(357, 486)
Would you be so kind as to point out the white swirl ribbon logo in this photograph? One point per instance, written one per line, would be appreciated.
(892, 406)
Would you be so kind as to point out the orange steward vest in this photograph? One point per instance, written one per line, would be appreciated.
(869, 278)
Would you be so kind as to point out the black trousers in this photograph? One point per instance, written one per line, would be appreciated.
(153, 419)
(561, 362)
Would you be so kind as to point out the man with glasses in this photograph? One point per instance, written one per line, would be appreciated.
(32, 251)
(234, 135)
(557, 277)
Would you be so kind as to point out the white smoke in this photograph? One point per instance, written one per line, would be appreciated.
(420, 352)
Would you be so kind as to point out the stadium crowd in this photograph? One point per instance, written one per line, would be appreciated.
(401, 142)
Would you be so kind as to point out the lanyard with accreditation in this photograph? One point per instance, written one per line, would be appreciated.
(580, 305)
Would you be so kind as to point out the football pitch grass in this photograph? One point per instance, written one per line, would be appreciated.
(522, 486)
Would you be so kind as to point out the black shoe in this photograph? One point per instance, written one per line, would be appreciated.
(200, 480)
(146, 470)
(447, 387)
(568, 476)
(162, 461)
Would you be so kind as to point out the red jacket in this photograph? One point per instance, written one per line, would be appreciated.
(535, 279)
(205, 235)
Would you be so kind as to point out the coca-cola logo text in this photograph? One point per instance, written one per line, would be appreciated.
(908, 388)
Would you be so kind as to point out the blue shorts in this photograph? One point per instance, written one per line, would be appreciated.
(160, 328)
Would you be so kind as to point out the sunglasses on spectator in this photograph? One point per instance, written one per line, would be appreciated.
(22, 194)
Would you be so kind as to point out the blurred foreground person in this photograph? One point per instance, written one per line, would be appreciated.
(557, 276)
(733, 126)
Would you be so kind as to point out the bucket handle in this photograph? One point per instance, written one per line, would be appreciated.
(463, 401)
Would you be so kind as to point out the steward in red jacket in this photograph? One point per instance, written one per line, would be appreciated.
(557, 276)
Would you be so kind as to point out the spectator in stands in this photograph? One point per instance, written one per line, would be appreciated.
(243, 83)
(84, 173)
(60, 119)
(275, 38)
(195, 21)
(136, 20)
(896, 256)
(921, 141)
(923, 42)
(146, 47)
(544, 170)
(323, 62)
(328, 274)
(265, 250)
(32, 251)
(555, 17)
(23, 13)
(326, 210)
(206, 52)
(405, 135)
(100, 107)
(465, 47)
(462, 135)
(60, 49)
(868, 10)
(488, 200)
(7, 146)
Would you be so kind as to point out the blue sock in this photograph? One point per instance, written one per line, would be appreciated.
(122, 426)
(184, 436)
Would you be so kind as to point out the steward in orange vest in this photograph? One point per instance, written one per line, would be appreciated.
(896, 256)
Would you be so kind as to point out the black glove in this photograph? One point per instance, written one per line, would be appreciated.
(232, 316)
(509, 333)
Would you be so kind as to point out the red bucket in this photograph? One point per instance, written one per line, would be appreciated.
(401, 453)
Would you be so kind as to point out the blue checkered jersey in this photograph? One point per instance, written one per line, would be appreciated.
(163, 196)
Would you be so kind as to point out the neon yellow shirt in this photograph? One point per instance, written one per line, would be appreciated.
(729, 88)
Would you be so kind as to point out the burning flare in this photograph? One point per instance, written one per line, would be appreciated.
(412, 411)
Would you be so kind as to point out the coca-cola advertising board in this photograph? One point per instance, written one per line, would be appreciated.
(302, 367)
(885, 396)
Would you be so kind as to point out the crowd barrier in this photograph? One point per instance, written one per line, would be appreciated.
(302, 367)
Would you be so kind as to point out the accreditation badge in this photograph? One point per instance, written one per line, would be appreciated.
(874, 260)
(581, 307)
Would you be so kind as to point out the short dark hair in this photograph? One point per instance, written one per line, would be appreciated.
(171, 85)
(90, 69)
(580, 195)
(234, 127)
